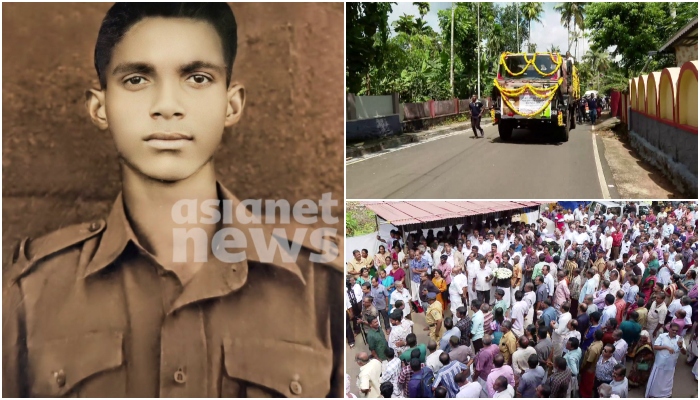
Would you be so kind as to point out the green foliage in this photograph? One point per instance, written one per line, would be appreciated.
(635, 28)
(367, 32)
(359, 220)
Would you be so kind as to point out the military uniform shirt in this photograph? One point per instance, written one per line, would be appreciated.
(90, 313)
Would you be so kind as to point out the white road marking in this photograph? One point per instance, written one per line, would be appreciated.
(599, 169)
(406, 146)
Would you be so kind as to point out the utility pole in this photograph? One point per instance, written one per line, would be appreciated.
(517, 26)
(478, 52)
(452, 53)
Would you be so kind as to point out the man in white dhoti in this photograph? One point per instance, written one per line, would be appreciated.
(559, 328)
(667, 347)
(473, 265)
(458, 290)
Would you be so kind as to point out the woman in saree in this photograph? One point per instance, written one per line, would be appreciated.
(441, 284)
(380, 258)
(643, 357)
(649, 283)
(387, 281)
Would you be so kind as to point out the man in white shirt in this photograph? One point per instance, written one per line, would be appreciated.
(667, 229)
(449, 252)
(548, 280)
(582, 236)
(607, 243)
(432, 359)
(620, 346)
(518, 313)
(482, 281)
(483, 246)
(398, 333)
(502, 244)
(472, 266)
(401, 293)
(625, 247)
(458, 291)
(368, 379)
(474, 237)
(676, 303)
(578, 213)
(467, 389)
(570, 232)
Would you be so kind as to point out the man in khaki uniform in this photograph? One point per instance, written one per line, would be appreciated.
(433, 317)
(111, 308)
(599, 263)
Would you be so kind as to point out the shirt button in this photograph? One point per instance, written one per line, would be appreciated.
(295, 386)
(60, 377)
(180, 376)
(94, 227)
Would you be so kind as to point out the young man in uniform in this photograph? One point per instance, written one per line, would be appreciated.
(125, 307)
(477, 110)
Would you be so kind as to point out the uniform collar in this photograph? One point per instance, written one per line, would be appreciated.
(118, 234)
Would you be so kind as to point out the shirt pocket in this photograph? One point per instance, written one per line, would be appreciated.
(78, 366)
(274, 368)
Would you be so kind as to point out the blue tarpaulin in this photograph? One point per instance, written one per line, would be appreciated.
(571, 205)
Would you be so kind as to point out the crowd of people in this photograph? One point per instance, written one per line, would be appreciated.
(523, 310)
(590, 108)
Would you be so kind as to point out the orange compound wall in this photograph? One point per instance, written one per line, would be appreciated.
(687, 95)
(633, 93)
(652, 102)
(667, 94)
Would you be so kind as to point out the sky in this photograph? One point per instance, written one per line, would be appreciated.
(544, 34)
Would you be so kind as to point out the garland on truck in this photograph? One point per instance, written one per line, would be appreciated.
(557, 60)
(505, 93)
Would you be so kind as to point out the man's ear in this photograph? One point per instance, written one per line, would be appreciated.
(236, 103)
(95, 104)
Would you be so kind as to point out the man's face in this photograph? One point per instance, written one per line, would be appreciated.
(166, 102)
(366, 302)
(357, 256)
(473, 99)
(365, 290)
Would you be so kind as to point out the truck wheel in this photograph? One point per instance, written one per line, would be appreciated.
(505, 130)
(563, 132)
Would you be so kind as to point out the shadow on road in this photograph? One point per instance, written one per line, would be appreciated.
(525, 136)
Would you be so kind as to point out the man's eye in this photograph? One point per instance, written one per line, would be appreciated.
(199, 79)
(135, 80)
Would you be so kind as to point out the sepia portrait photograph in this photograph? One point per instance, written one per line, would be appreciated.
(172, 200)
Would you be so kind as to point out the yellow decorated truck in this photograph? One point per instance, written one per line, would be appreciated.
(535, 91)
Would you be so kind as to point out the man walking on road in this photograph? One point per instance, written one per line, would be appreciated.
(477, 110)
(592, 108)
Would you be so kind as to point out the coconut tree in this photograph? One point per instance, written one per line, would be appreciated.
(532, 12)
(423, 8)
(404, 24)
(599, 62)
(571, 16)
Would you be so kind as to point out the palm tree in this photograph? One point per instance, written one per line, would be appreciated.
(532, 12)
(404, 24)
(554, 49)
(599, 62)
(421, 27)
(423, 8)
(571, 16)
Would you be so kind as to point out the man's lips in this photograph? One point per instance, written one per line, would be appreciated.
(168, 136)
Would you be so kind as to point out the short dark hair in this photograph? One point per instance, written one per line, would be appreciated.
(122, 16)
(533, 361)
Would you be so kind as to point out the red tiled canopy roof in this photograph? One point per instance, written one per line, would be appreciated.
(418, 212)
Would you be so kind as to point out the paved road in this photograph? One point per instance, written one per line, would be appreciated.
(684, 383)
(531, 166)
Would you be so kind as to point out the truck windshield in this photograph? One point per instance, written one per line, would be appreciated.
(517, 63)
